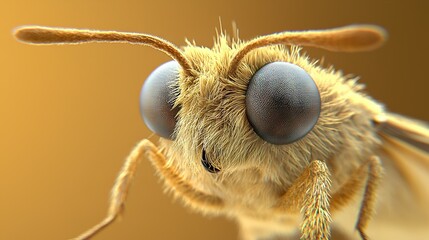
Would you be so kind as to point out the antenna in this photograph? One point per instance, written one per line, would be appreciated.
(57, 36)
(353, 38)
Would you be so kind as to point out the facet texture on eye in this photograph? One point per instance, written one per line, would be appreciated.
(157, 99)
(282, 102)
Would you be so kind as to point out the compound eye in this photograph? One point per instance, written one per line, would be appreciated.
(282, 103)
(157, 99)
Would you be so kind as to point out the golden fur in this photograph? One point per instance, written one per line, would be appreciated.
(272, 190)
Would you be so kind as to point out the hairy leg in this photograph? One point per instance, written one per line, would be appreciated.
(196, 199)
(124, 179)
(367, 208)
(310, 194)
(372, 172)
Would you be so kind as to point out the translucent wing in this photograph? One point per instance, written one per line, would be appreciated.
(403, 206)
(403, 197)
(405, 153)
(411, 131)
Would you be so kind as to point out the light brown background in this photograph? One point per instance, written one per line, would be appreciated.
(69, 114)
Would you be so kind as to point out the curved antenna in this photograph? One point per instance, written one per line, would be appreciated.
(48, 35)
(353, 38)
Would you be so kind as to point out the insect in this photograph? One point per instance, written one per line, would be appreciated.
(259, 132)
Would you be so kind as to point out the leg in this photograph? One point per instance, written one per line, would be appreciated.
(310, 193)
(196, 199)
(367, 207)
(119, 190)
(372, 171)
(124, 179)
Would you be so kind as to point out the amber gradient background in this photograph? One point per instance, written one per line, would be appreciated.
(69, 114)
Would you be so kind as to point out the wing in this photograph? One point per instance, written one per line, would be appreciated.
(403, 197)
(403, 209)
(405, 154)
(411, 131)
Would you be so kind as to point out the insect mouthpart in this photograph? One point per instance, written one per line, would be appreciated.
(207, 165)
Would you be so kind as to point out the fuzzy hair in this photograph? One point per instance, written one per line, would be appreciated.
(212, 116)
(259, 183)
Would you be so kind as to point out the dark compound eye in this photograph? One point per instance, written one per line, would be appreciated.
(157, 98)
(282, 103)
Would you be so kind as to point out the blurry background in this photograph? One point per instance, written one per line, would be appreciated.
(69, 114)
